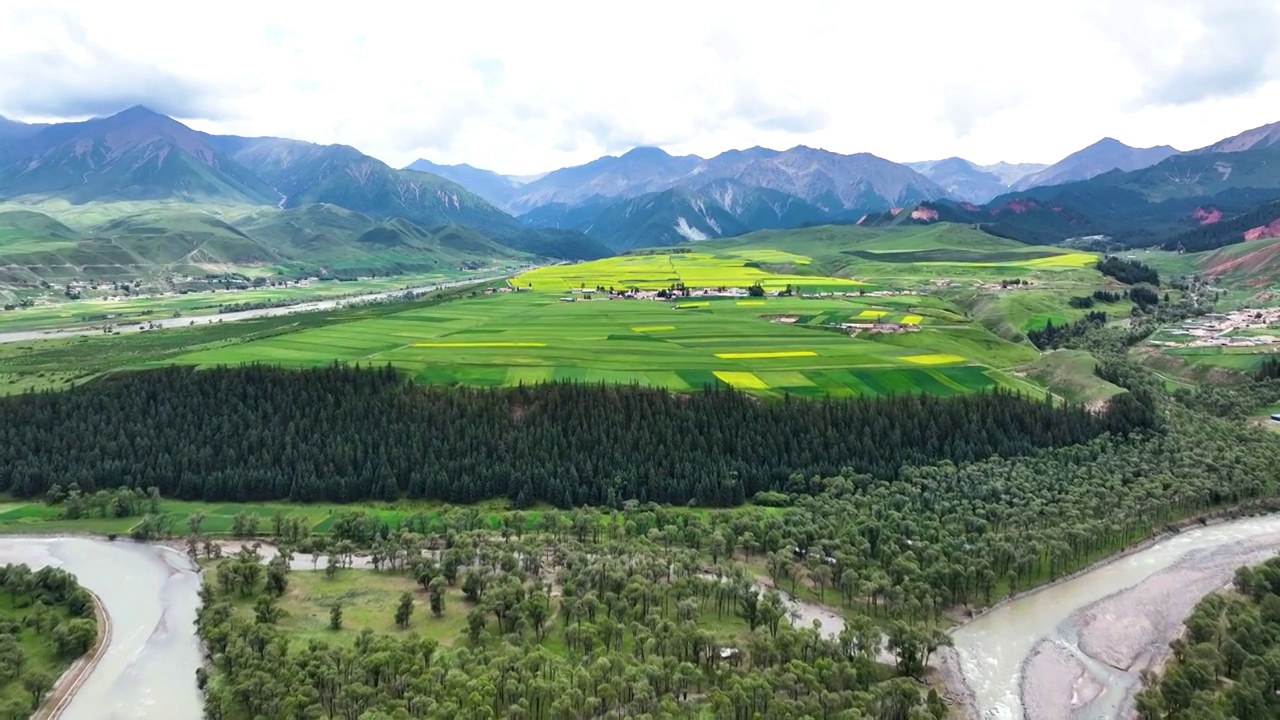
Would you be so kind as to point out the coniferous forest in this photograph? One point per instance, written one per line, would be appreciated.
(345, 434)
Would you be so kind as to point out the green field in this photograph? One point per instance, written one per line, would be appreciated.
(514, 338)
(939, 282)
(368, 601)
(1243, 359)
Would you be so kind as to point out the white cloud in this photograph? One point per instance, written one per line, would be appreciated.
(524, 87)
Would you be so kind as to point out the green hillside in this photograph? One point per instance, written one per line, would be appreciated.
(156, 241)
(911, 256)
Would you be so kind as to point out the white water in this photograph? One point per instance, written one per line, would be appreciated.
(151, 594)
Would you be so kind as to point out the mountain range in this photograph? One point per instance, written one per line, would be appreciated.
(139, 155)
(1131, 196)
(644, 197)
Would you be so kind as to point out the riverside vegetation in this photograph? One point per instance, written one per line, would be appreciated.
(46, 622)
(1227, 663)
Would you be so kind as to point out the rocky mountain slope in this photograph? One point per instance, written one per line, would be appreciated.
(1103, 156)
(497, 189)
(838, 185)
(1255, 139)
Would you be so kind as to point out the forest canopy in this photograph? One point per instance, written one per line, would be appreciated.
(343, 434)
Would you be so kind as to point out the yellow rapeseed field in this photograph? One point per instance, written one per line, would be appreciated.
(765, 355)
(934, 359)
(873, 313)
(912, 320)
(745, 380)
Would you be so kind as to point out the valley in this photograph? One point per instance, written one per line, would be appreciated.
(609, 439)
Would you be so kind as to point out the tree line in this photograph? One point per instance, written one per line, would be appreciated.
(343, 434)
(1129, 272)
(1055, 336)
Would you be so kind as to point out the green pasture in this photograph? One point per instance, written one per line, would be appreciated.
(508, 339)
(1070, 373)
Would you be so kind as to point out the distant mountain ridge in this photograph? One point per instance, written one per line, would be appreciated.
(837, 184)
(497, 189)
(970, 182)
(1103, 156)
(133, 155)
(1255, 139)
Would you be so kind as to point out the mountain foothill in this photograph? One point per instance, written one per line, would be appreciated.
(138, 191)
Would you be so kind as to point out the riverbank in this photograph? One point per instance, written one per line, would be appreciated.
(146, 666)
(64, 690)
(1077, 647)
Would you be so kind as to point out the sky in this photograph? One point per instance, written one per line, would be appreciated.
(522, 88)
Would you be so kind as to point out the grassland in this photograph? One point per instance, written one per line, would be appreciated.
(1071, 374)
(368, 600)
(514, 338)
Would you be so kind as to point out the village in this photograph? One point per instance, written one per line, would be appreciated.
(1238, 328)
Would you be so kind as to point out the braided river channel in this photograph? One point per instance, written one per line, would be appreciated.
(1070, 651)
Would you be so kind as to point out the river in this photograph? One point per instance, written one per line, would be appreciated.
(1076, 649)
(1071, 650)
(151, 594)
(180, 322)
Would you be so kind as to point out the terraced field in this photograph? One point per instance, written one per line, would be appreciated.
(771, 346)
